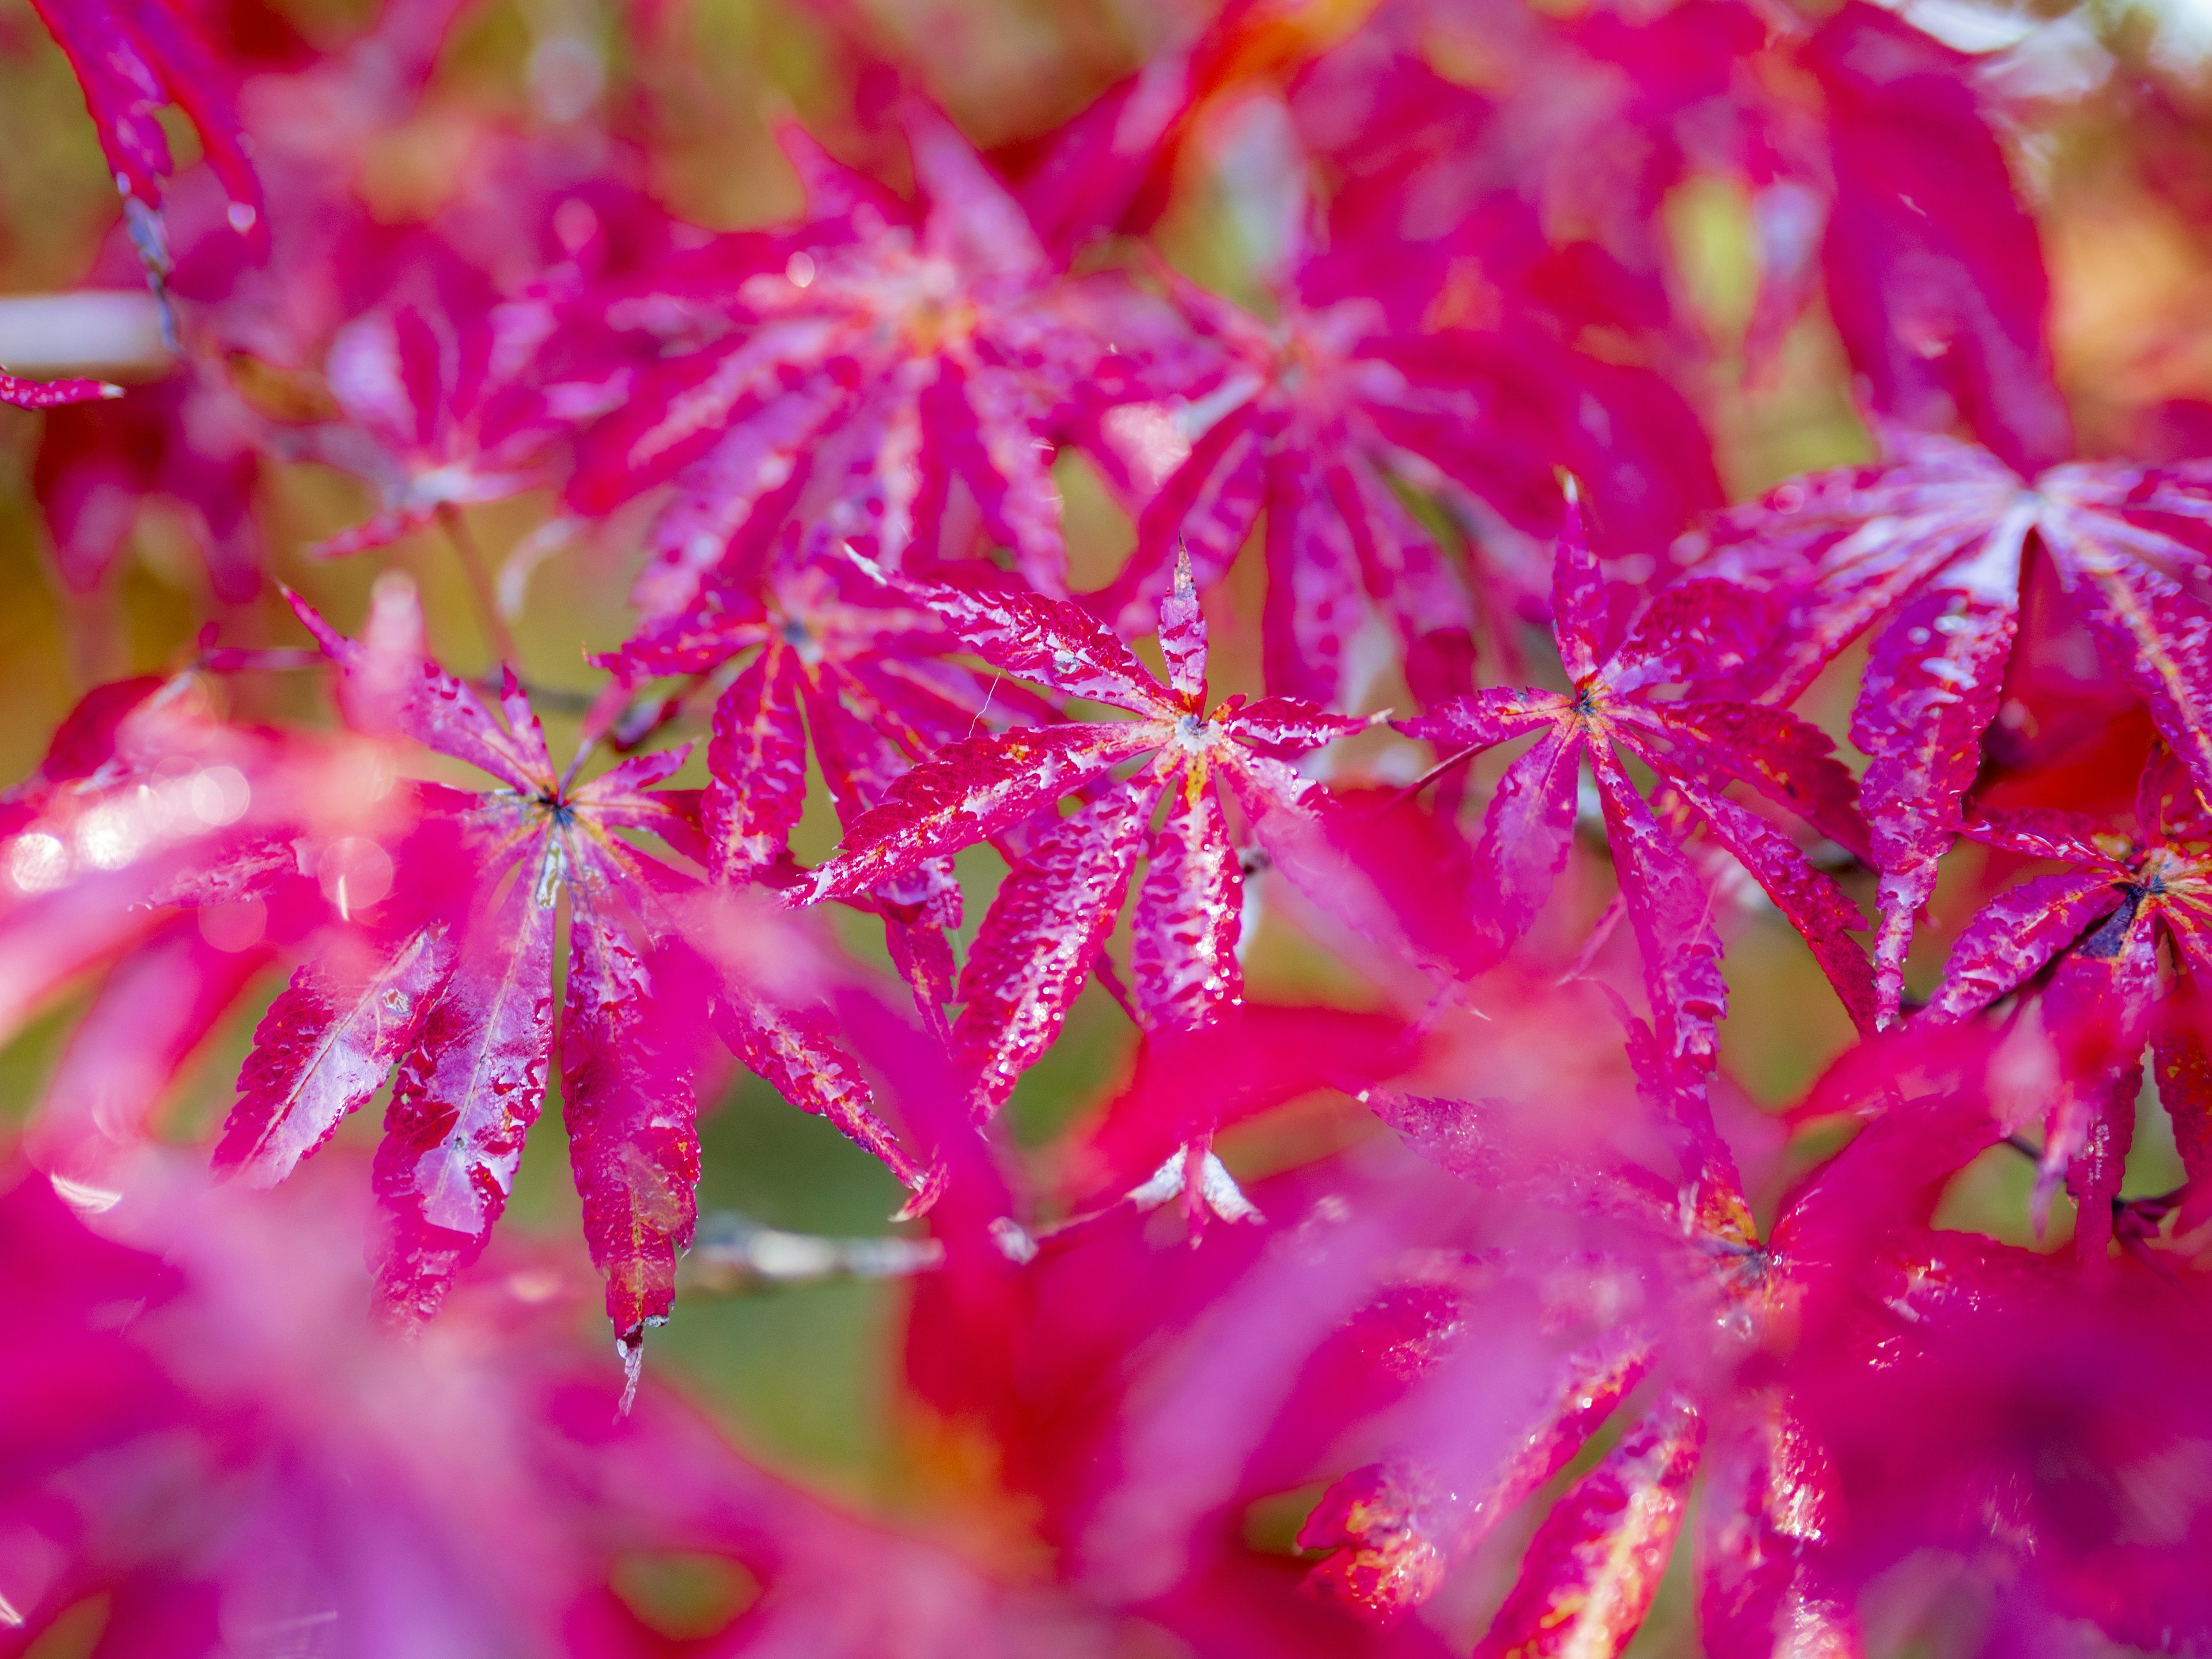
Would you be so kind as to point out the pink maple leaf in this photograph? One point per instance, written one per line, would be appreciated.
(49, 394)
(1440, 1350)
(1320, 418)
(1697, 747)
(145, 786)
(1935, 274)
(1589, 1577)
(461, 380)
(1968, 1365)
(870, 369)
(190, 440)
(834, 656)
(1516, 223)
(1308, 424)
(1928, 549)
(1590, 1572)
(441, 407)
(187, 441)
(208, 1437)
(2088, 935)
(174, 854)
(1052, 913)
(132, 57)
(460, 1001)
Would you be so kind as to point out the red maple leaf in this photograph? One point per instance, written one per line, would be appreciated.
(442, 407)
(864, 369)
(145, 787)
(1550, 1325)
(1301, 428)
(174, 854)
(1056, 907)
(47, 394)
(1697, 747)
(461, 380)
(244, 1440)
(834, 655)
(188, 442)
(191, 441)
(1355, 391)
(1515, 223)
(1935, 274)
(132, 57)
(1929, 548)
(1590, 1575)
(457, 995)
(2088, 935)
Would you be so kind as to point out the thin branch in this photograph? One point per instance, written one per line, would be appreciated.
(1110, 981)
(1449, 764)
(546, 699)
(1601, 932)
(655, 712)
(479, 577)
(117, 330)
(735, 1254)
(285, 659)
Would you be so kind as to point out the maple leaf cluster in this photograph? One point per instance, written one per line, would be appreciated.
(1436, 1260)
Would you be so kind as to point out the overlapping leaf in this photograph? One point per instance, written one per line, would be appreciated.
(187, 443)
(1044, 931)
(1304, 424)
(1509, 223)
(1589, 1574)
(440, 407)
(871, 369)
(453, 989)
(1321, 417)
(1929, 549)
(1594, 1566)
(1518, 206)
(193, 441)
(1935, 273)
(1998, 1370)
(133, 57)
(2088, 936)
(461, 380)
(828, 654)
(1697, 747)
(145, 789)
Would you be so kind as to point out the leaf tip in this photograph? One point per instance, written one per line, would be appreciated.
(629, 1348)
(1014, 1241)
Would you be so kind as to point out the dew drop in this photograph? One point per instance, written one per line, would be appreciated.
(1013, 1241)
(82, 1197)
(631, 1350)
(38, 863)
